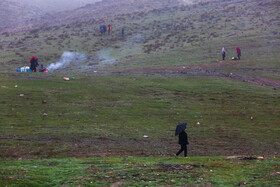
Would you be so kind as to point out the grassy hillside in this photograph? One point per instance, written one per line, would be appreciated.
(92, 130)
(183, 35)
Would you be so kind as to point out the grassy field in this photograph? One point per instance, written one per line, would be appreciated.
(107, 116)
(90, 131)
(120, 110)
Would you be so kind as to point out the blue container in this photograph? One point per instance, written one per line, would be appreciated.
(17, 70)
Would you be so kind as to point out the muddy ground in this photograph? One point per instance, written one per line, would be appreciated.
(208, 69)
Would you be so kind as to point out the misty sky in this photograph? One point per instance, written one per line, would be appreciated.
(55, 5)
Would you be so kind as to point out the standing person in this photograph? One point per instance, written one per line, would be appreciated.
(223, 53)
(101, 29)
(122, 32)
(33, 64)
(183, 138)
(238, 51)
(109, 28)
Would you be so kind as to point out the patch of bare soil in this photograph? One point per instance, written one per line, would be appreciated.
(175, 167)
(204, 69)
(258, 80)
(245, 157)
(120, 183)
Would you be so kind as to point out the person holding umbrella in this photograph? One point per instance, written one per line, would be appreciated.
(183, 138)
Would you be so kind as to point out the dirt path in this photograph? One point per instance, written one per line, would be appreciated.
(204, 69)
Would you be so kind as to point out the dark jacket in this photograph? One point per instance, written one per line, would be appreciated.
(32, 64)
(183, 138)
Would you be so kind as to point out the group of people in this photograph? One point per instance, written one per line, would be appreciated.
(34, 64)
(104, 29)
(108, 28)
(238, 52)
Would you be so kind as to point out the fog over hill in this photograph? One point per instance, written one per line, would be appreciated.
(24, 14)
(16, 13)
(51, 6)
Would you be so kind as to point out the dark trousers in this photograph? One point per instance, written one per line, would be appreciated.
(183, 148)
(239, 55)
(33, 69)
(224, 55)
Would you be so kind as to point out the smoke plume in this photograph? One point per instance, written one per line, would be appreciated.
(66, 59)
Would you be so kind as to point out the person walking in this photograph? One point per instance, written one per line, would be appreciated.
(238, 51)
(223, 53)
(183, 139)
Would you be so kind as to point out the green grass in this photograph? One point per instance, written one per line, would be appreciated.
(92, 133)
(135, 171)
(119, 110)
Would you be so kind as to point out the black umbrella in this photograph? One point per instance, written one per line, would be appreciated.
(180, 128)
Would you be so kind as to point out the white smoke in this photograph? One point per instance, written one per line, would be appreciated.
(66, 59)
(105, 58)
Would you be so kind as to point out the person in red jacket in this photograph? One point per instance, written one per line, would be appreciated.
(238, 51)
(33, 64)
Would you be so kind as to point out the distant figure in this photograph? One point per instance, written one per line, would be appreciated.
(33, 64)
(223, 53)
(238, 51)
(42, 68)
(183, 141)
(109, 28)
(103, 29)
(122, 32)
